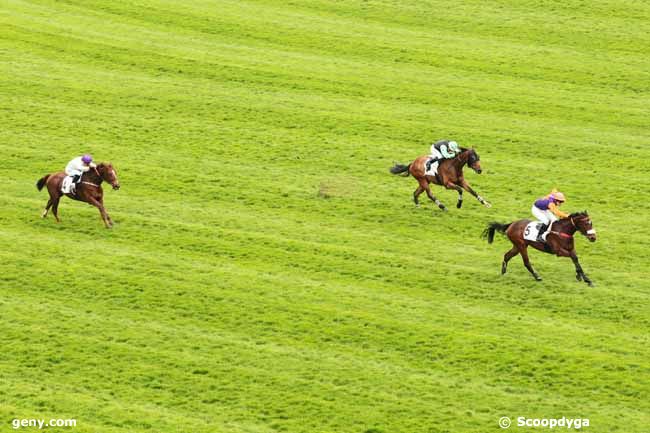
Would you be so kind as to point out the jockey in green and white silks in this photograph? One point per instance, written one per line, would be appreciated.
(444, 149)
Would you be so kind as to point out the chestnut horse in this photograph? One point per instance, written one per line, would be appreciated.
(449, 175)
(89, 190)
(559, 241)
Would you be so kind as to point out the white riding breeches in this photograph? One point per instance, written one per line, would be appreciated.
(545, 216)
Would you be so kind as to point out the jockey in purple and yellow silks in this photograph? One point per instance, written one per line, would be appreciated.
(546, 210)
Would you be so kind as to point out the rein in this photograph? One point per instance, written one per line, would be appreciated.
(566, 235)
(96, 185)
(461, 160)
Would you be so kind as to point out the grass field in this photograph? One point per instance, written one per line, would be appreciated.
(266, 273)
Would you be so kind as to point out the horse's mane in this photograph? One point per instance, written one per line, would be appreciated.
(104, 165)
(578, 214)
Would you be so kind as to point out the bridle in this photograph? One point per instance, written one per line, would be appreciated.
(101, 178)
(588, 232)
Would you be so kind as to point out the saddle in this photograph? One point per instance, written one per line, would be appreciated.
(533, 230)
(68, 185)
(431, 166)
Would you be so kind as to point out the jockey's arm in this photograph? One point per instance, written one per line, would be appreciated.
(446, 153)
(85, 168)
(556, 211)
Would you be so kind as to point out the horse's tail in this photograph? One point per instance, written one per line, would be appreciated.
(401, 168)
(42, 181)
(488, 233)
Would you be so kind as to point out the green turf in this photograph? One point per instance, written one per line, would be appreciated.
(266, 273)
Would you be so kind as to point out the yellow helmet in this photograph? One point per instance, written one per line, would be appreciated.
(557, 195)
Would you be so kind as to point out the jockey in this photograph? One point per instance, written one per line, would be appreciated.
(443, 149)
(78, 166)
(546, 210)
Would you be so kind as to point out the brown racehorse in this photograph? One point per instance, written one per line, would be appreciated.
(559, 241)
(450, 175)
(89, 190)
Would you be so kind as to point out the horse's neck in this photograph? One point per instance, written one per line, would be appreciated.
(565, 226)
(461, 160)
(91, 176)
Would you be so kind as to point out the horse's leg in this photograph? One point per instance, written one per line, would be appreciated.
(416, 193)
(50, 201)
(54, 189)
(102, 211)
(524, 255)
(55, 207)
(110, 220)
(469, 189)
(47, 207)
(580, 274)
(506, 258)
(425, 185)
(458, 188)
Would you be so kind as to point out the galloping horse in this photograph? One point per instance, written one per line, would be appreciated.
(559, 241)
(89, 190)
(449, 175)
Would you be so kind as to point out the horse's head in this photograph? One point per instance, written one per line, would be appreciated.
(582, 221)
(474, 161)
(107, 172)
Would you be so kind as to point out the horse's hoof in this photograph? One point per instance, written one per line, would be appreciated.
(538, 278)
(459, 204)
(487, 205)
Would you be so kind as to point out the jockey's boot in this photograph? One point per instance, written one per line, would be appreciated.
(541, 235)
(430, 163)
(76, 179)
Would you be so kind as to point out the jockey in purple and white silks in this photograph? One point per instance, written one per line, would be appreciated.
(78, 166)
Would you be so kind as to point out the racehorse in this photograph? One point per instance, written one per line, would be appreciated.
(88, 190)
(449, 175)
(559, 241)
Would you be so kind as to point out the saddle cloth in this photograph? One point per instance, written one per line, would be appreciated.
(433, 168)
(532, 230)
(67, 185)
